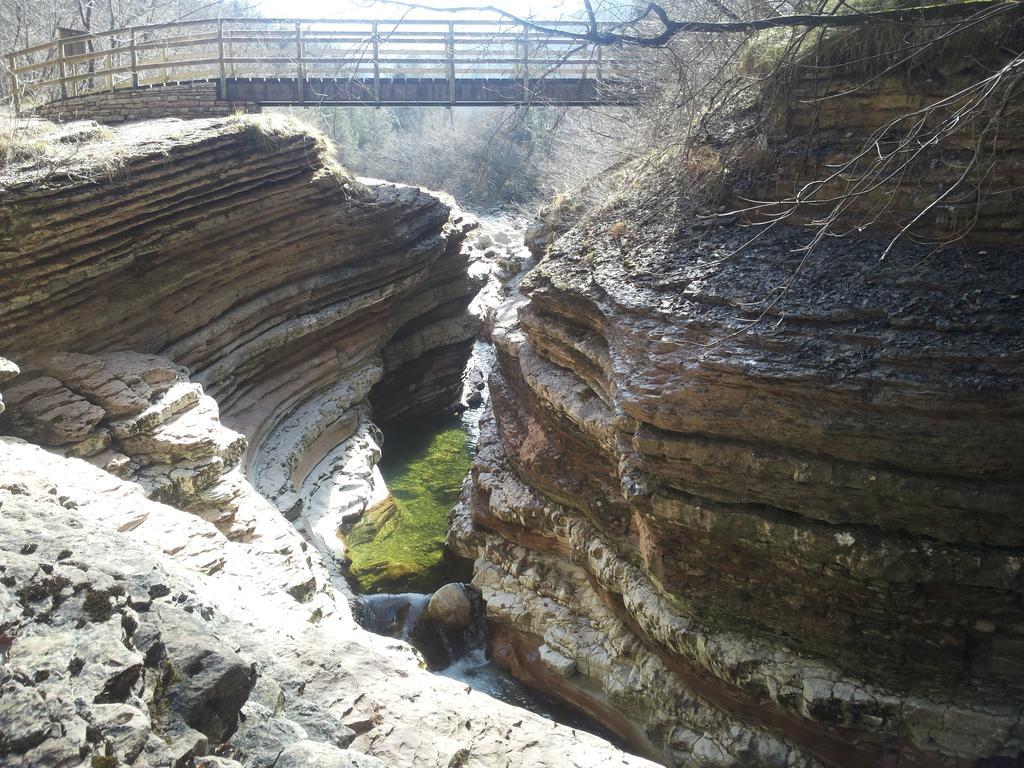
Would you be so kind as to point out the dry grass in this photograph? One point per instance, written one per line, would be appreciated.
(28, 144)
(22, 141)
(275, 127)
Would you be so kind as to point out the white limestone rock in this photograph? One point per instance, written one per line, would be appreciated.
(183, 578)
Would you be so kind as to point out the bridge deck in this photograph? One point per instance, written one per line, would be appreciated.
(332, 62)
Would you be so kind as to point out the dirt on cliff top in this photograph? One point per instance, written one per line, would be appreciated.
(951, 315)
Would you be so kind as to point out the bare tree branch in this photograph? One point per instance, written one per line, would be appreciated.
(612, 33)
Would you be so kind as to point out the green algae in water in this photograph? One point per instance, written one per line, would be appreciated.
(399, 548)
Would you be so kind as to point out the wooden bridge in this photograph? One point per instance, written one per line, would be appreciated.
(325, 62)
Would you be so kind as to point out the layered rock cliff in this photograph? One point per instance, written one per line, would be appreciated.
(754, 508)
(859, 134)
(202, 314)
(236, 249)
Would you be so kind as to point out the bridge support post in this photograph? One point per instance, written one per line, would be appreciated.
(63, 68)
(134, 57)
(526, 71)
(450, 45)
(14, 84)
(300, 81)
(223, 80)
(376, 65)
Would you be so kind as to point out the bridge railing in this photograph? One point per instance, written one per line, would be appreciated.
(368, 50)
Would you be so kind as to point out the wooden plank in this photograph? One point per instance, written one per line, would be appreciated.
(526, 61)
(451, 62)
(253, 24)
(376, 65)
(15, 88)
(568, 25)
(62, 65)
(300, 81)
(178, 42)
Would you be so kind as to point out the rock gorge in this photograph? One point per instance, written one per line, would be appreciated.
(737, 531)
(199, 316)
(237, 249)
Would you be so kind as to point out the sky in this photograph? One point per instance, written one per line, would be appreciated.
(539, 9)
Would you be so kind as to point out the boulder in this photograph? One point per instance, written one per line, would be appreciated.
(24, 719)
(451, 607)
(123, 728)
(205, 682)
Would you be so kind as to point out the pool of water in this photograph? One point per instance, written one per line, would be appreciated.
(400, 548)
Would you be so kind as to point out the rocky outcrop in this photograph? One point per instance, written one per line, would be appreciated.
(138, 634)
(866, 136)
(237, 249)
(140, 418)
(749, 508)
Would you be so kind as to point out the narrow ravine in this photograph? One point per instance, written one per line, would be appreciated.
(424, 463)
(396, 552)
(399, 547)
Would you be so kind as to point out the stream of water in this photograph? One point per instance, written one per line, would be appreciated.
(424, 463)
(397, 558)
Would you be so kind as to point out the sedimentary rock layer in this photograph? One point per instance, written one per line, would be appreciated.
(869, 136)
(764, 532)
(237, 249)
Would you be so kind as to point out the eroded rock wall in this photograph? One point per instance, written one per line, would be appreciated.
(237, 249)
(804, 528)
(756, 508)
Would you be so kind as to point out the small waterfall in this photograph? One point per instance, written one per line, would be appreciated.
(392, 615)
(406, 617)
